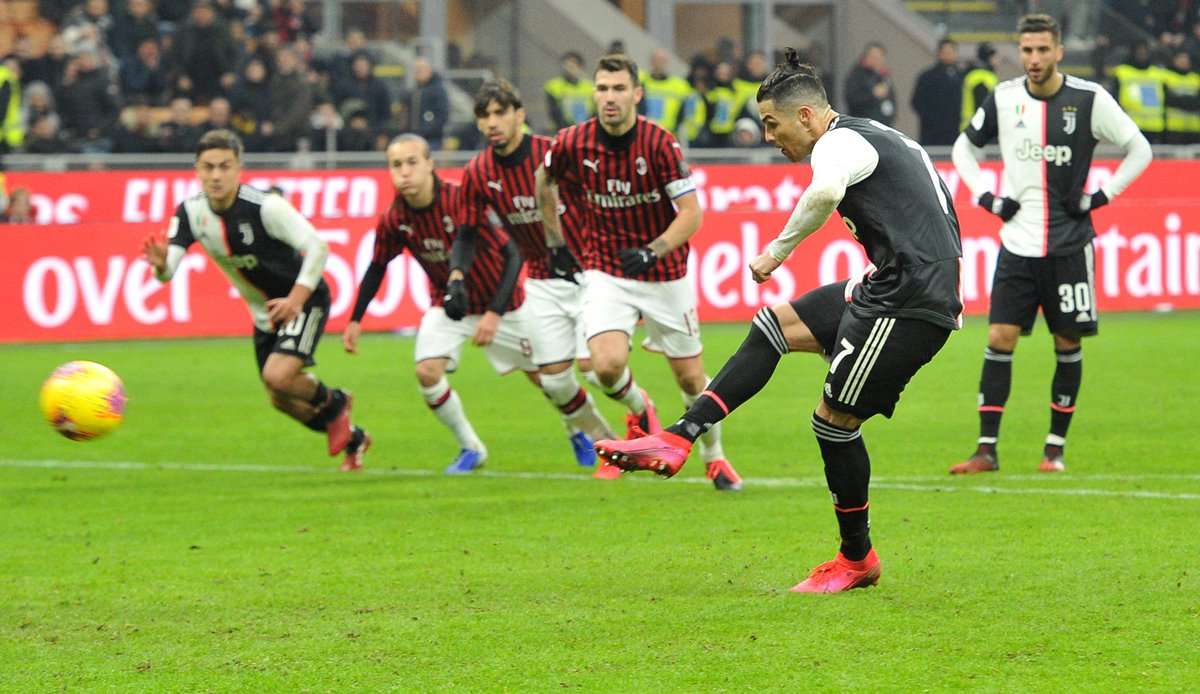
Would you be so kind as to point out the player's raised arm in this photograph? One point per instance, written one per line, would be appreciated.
(840, 158)
(164, 253)
(283, 222)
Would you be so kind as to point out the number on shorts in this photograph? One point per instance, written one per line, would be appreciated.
(1074, 297)
(847, 350)
(295, 326)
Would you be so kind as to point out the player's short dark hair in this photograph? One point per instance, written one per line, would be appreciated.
(617, 62)
(1037, 23)
(500, 91)
(220, 139)
(412, 137)
(793, 80)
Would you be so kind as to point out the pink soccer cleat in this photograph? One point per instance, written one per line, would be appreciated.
(663, 453)
(841, 574)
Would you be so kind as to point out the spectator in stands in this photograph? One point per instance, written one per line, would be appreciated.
(723, 107)
(1140, 89)
(292, 21)
(366, 87)
(12, 132)
(754, 70)
(204, 54)
(178, 134)
(219, 115)
(134, 26)
(36, 101)
(937, 97)
(46, 138)
(354, 42)
(431, 105)
(55, 10)
(173, 12)
(291, 101)
(135, 132)
(357, 135)
(665, 95)
(250, 101)
(1182, 83)
(869, 91)
(89, 25)
(88, 102)
(19, 209)
(569, 95)
(144, 76)
(979, 81)
(49, 67)
(324, 126)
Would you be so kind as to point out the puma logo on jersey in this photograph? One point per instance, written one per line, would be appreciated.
(495, 185)
(593, 164)
(1059, 155)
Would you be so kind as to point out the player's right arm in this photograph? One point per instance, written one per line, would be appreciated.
(388, 244)
(165, 251)
(968, 151)
(840, 159)
(562, 263)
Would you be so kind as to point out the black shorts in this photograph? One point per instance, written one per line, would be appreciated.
(871, 359)
(1064, 287)
(299, 337)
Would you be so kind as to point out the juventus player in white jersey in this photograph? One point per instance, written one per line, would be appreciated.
(274, 258)
(1048, 125)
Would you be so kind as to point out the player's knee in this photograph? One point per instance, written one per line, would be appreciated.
(692, 383)
(560, 387)
(845, 420)
(1066, 343)
(608, 367)
(429, 373)
(1003, 337)
(277, 381)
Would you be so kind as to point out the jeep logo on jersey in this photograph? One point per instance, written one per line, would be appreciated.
(247, 233)
(1069, 116)
(1059, 155)
(243, 262)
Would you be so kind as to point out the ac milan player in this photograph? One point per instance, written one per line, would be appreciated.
(501, 178)
(474, 277)
(641, 209)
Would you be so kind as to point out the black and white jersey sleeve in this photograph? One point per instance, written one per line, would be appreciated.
(981, 129)
(285, 223)
(179, 239)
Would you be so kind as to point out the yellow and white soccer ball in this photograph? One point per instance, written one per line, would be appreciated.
(83, 400)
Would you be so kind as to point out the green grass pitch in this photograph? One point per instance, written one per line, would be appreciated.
(208, 545)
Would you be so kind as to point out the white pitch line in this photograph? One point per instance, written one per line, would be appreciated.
(774, 482)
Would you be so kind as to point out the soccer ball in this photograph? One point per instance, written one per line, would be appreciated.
(83, 400)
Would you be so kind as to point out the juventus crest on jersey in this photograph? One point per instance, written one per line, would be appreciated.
(1047, 146)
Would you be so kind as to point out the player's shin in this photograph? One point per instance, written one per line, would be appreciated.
(1064, 390)
(710, 440)
(578, 409)
(746, 372)
(627, 392)
(848, 474)
(995, 381)
(448, 408)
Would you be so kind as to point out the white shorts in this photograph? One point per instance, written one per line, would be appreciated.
(669, 309)
(554, 313)
(438, 337)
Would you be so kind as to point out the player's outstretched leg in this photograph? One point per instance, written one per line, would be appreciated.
(1064, 391)
(848, 474)
(303, 397)
(448, 408)
(746, 372)
(717, 467)
(995, 382)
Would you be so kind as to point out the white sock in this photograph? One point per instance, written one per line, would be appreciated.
(447, 406)
(627, 392)
(591, 377)
(564, 391)
(710, 441)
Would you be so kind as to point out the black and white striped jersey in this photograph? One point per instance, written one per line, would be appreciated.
(901, 212)
(261, 243)
(1047, 146)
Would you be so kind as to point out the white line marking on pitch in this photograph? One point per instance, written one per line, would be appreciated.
(775, 482)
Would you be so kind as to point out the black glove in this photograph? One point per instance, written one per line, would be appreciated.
(1004, 208)
(1080, 204)
(563, 264)
(455, 301)
(635, 261)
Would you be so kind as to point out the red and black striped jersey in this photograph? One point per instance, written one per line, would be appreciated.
(628, 183)
(506, 184)
(429, 232)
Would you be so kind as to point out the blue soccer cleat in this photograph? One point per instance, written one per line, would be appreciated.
(466, 462)
(585, 452)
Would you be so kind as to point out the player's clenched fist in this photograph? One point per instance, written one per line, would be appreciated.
(762, 267)
(635, 261)
(455, 301)
(1004, 208)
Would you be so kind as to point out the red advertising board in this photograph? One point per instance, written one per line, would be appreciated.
(76, 275)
